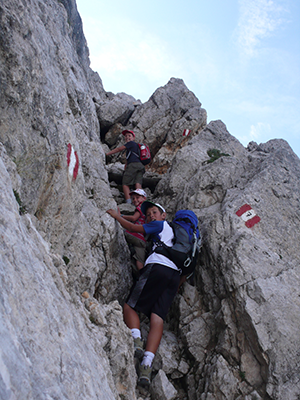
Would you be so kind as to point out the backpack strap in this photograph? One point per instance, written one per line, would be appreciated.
(160, 247)
(133, 152)
(136, 154)
(150, 240)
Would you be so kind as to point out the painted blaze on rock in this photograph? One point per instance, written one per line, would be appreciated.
(248, 215)
(73, 162)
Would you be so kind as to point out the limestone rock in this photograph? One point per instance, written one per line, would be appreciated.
(190, 182)
(247, 265)
(223, 382)
(116, 168)
(114, 136)
(115, 110)
(50, 129)
(169, 352)
(48, 345)
(162, 120)
(233, 331)
(118, 345)
(162, 388)
(11, 169)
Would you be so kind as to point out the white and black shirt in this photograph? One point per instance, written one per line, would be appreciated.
(164, 233)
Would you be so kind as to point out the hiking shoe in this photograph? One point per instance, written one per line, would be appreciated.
(144, 375)
(138, 348)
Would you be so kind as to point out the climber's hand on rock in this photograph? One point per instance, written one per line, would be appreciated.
(112, 212)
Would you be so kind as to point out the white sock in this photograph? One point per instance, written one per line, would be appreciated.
(136, 333)
(148, 358)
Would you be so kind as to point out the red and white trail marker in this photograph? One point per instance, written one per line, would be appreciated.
(186, 132)
(248, 215)
(73, 162)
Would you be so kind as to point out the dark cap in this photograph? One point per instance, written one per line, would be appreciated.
(146, 204)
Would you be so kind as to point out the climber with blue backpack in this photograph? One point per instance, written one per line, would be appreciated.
(186, 242)
(173, 254)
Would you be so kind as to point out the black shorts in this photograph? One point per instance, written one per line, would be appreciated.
(155, 290)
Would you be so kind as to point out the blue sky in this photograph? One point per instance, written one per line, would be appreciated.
(241, 58)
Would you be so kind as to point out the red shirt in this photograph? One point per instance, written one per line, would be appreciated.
(140, 221)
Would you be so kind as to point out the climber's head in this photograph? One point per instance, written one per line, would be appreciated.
(153, 211)
(129, 135)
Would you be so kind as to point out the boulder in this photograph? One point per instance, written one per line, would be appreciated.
(162, 388)
(117, 109)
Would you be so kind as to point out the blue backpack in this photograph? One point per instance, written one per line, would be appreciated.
(186, 242)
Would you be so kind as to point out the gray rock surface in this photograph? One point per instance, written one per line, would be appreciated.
(115, 109)
(162, 120)
(53, 111)
(162, 388)
(49, 346)
(246, 273)
(233, 330)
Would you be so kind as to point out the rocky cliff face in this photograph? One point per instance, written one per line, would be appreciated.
(233, 331)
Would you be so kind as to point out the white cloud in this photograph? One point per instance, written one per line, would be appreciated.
(121, 46)
(258, 20)
(257, 133)
(259, 130)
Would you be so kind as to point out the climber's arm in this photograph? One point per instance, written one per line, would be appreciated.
(116, 150)
(126, 224)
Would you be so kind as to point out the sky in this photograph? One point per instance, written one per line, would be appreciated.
(241, 58)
